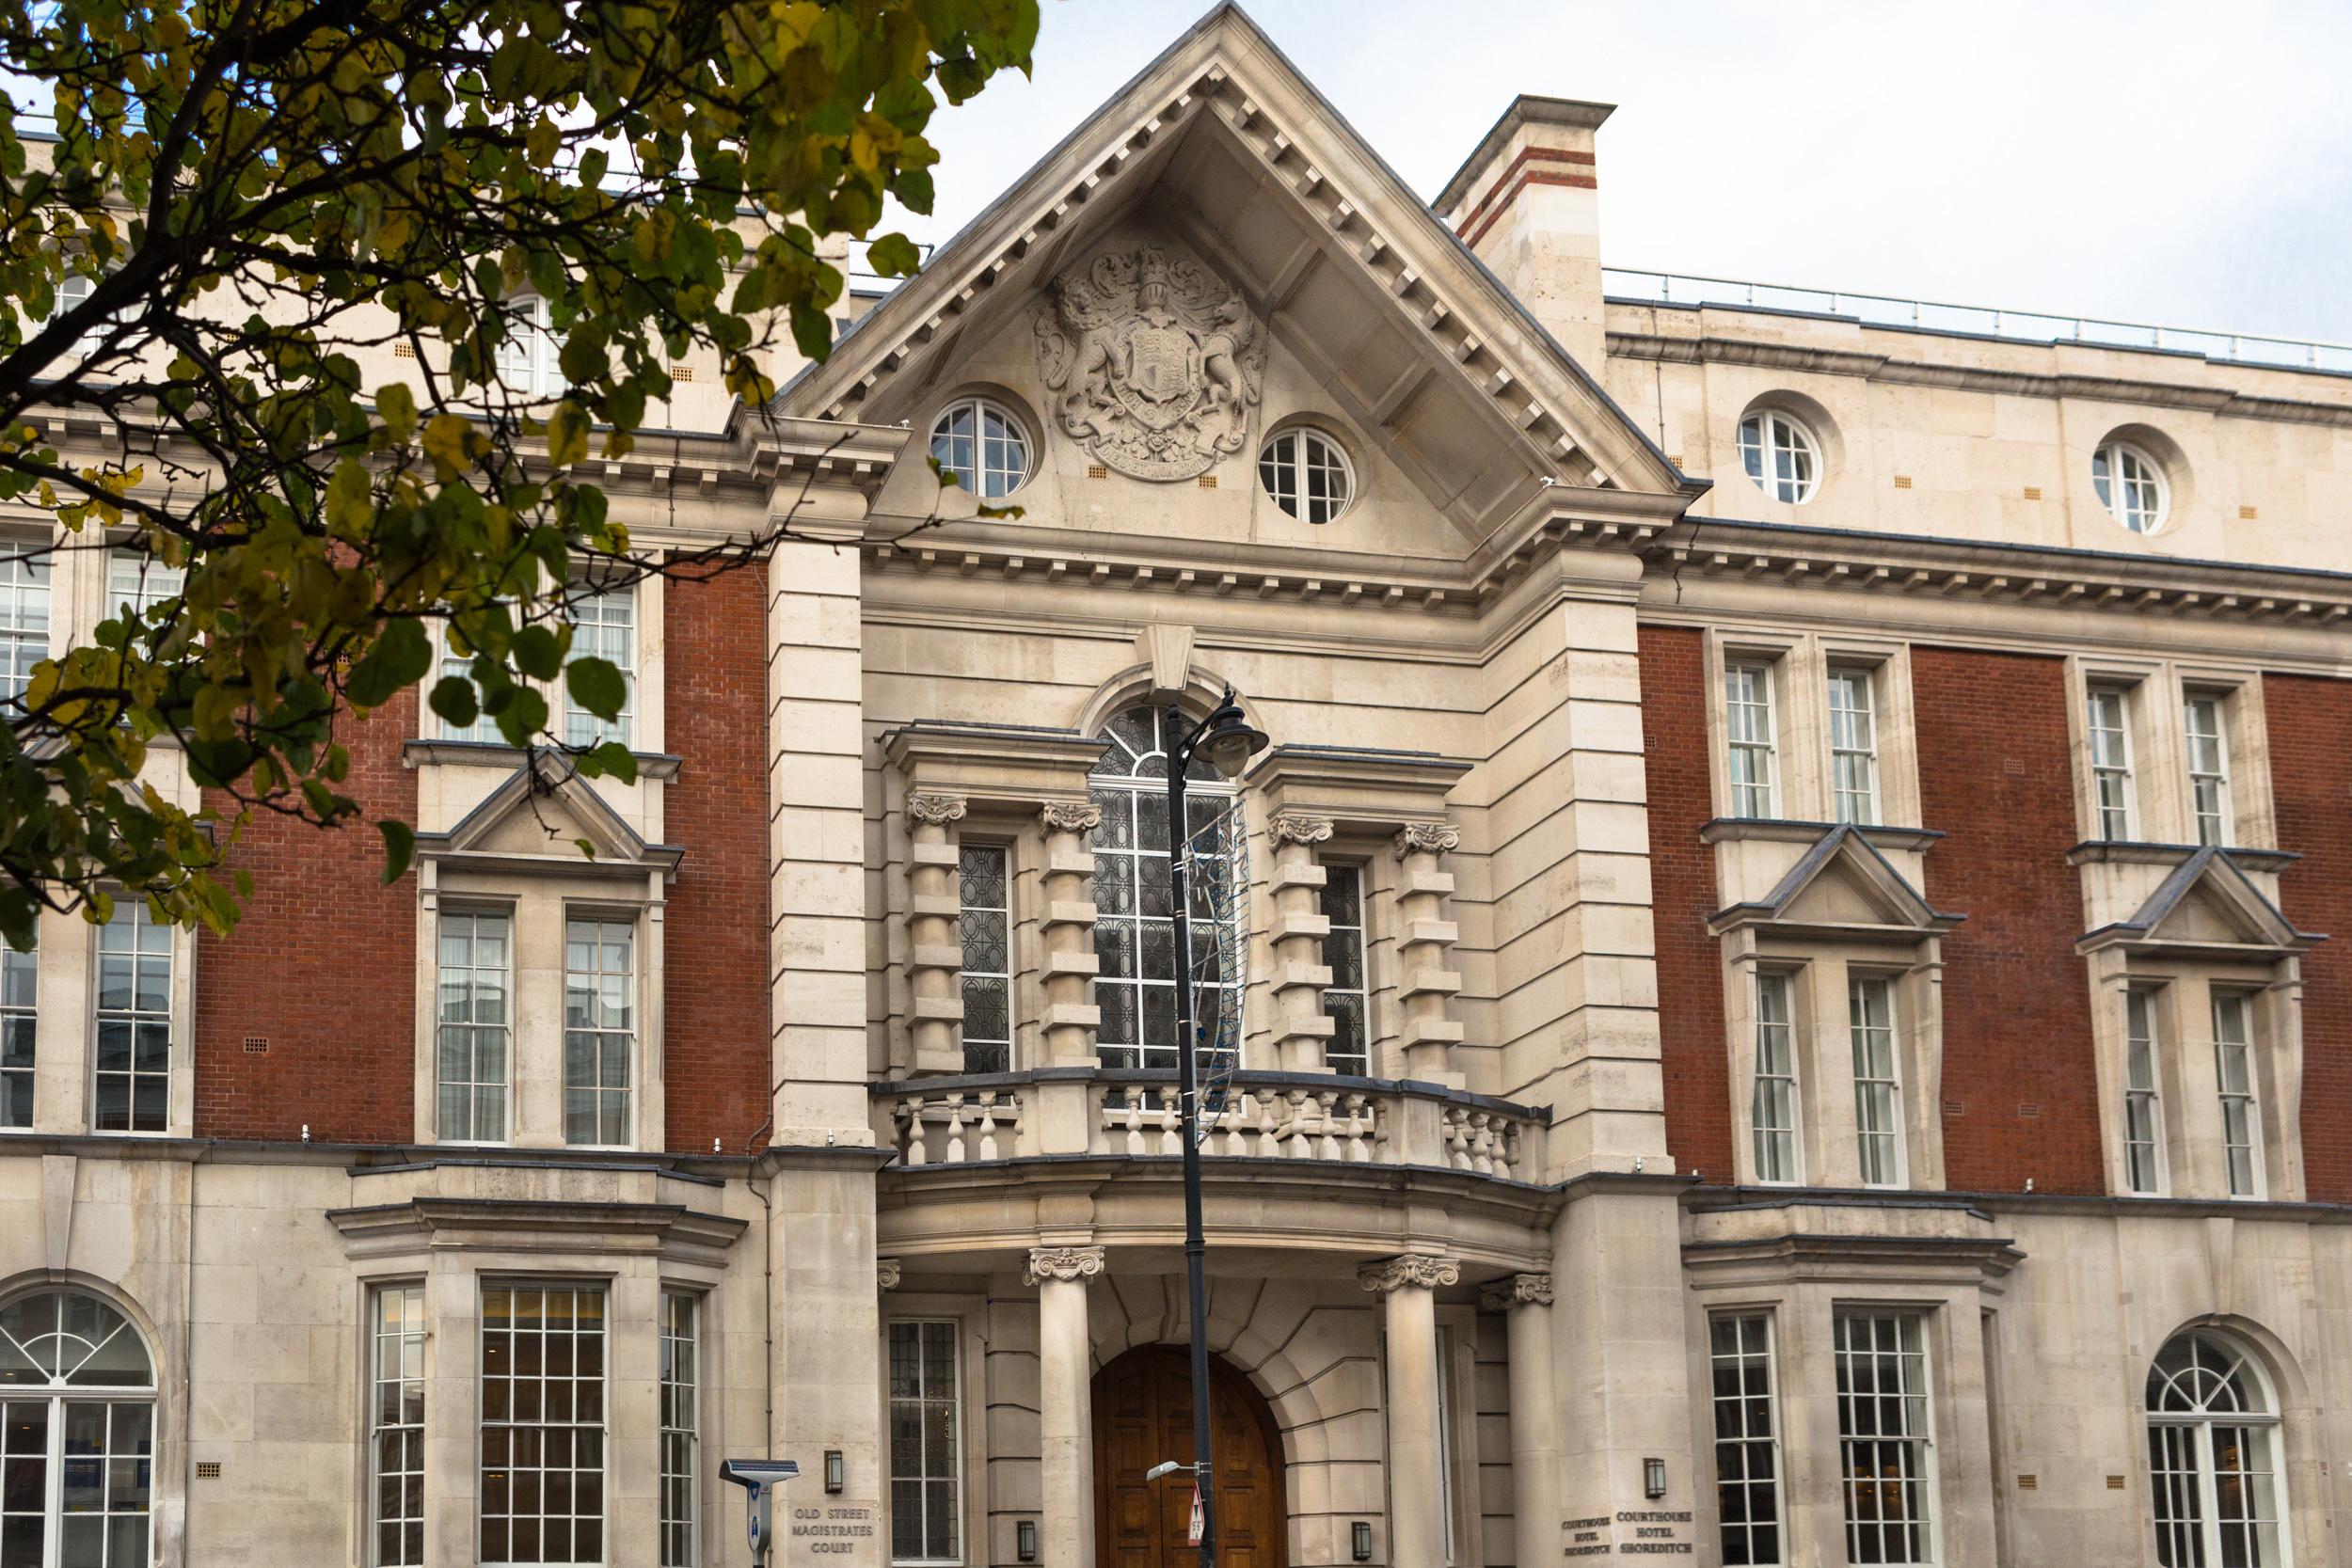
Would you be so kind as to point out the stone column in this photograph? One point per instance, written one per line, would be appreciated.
(1071, 1015)
(1065, 1402)
(1526, 1298)
(1425, 986)
(1416, 1520)
(935, 942)
(1301, 1027)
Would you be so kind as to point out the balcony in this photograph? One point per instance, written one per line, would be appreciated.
(1267, 1115)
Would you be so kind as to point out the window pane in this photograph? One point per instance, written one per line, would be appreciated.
(542, 1475)
(925, 1446)
(132, 1060)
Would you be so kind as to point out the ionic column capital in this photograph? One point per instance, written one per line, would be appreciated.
(1427, 838)
(936, 810)
(1426, 1269)
(1071, 816)
(1068, 1263)
(1293, 827)
(887, 1273)
(1519, 1290)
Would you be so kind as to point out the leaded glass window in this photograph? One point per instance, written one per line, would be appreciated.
(984, 920)
(925, 1445)
(1134, 931)
(1345, 999)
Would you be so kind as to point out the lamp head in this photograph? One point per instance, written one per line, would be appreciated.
(1229, 740)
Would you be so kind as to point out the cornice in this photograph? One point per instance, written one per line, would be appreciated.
(515, 1225)
(1675, 349)
(2044, 575)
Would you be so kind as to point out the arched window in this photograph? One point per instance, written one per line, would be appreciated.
(983, 444)
(2213, 1457)
(1134, 932)
(78, 1433)
(2131, 485)
(1781, 455)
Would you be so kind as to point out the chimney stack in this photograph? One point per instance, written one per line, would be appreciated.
(1527, 204)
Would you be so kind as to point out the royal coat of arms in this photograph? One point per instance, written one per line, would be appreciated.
(1154, 361)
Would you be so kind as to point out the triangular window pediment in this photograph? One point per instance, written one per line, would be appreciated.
(546, 815)
(1842, 886)
(2207, 905)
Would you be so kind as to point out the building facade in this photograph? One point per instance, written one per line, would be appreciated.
(1771, 988)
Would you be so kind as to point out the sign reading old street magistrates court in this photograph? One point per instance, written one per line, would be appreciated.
(1628, 1533)
(833, 1529)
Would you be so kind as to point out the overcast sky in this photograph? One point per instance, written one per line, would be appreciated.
(2185, 164)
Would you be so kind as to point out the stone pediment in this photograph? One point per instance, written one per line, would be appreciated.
(2207, 906)
(1842, 887)
(538, 819)
(1215, 211)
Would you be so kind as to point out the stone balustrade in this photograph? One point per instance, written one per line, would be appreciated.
(1267, 1115)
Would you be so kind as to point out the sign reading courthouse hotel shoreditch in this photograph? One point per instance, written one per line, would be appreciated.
(1631, 1533)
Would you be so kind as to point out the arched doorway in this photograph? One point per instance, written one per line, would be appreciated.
(1143, 1415)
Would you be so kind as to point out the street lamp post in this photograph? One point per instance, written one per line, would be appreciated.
(1226, 741)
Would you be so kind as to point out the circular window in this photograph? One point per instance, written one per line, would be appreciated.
(1781, 455)
(982, 445)
(1306, 474)
(2131, 486)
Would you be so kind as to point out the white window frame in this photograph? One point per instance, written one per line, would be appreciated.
(1345, 941)
(20, 1025)
(1910, 1355)
(139, 580)
(1794, 455)
(2208, 764)
(2145, 1163)
(972, 921)
(2203, 1454)
(999, 460)
(473, 1083)
(604, 625)
(1853, 745)
(2114, 810)
(1306, 474)
(131, 915)
(2131, 486)
(601, 1427)
(681, 1416)
(1743, 1356)
(598, 927)
(62, 1353)
(530, 359)
(400, 1333)
(954, 1509)
(26, 615)
(1750, 737)
(1877, 1047)
(1777, 1146)
(448, 662)
(2236, 1077)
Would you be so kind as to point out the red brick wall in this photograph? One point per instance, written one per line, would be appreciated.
(2310, 740)
(323, 966)
(1996, 775)
(715, 937)
(1693, 1056)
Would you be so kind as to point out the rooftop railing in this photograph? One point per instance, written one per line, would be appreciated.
(2243, 348)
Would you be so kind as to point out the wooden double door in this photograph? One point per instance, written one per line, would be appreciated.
(1142, 1416)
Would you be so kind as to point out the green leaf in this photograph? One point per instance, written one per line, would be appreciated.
(398, 660)
(400, 848)
(538, 652)
(894, 256)
(454, 699)
(610, 760)
(595, 684)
